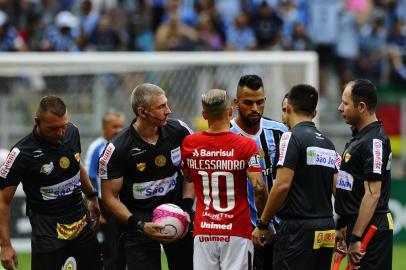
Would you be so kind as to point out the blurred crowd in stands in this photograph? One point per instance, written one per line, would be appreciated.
(359, 38)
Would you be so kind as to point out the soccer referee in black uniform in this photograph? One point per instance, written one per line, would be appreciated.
(363, 184)
(140, 169)
(47, 163)
(302, 190)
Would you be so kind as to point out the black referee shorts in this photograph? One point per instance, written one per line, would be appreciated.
(379, 250)
(50, 252)
(143, 253)
(307, 244)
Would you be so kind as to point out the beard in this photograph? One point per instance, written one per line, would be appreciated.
(251, 121)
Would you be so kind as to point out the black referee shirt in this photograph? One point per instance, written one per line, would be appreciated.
(151, 173)
(313, 158)
(49, 173)
(367, 157)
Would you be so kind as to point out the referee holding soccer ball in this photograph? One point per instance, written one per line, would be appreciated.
(140, 170)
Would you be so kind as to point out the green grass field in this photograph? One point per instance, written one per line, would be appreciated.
(399, 259)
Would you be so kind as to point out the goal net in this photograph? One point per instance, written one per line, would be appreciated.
(94, 83)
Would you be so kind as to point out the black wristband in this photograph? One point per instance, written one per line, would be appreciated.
(261, 225)
(133, 222)
(91, 195)
(186, 204)
(354, 238)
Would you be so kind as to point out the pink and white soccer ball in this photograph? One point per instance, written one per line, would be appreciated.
(173, 217)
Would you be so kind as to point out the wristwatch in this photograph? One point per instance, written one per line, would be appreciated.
(261, 225)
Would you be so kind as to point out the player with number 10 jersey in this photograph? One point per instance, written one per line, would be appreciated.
(220, 179)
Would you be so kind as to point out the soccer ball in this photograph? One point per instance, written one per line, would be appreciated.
(172, 217)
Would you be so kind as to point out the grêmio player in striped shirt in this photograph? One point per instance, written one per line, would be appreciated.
(250, 104)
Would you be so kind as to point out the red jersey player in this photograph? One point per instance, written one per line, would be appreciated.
(219, 162)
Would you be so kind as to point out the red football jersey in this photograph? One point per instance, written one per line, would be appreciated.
(218, 163)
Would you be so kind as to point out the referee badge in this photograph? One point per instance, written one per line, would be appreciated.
(347, 157)
(160, 160)
(64, 162)
(141, 166)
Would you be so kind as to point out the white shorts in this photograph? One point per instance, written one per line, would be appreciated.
(214, 252)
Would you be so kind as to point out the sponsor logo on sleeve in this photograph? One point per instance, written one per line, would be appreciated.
(344, 180)
(283, 147)
(175, 156)
(155, 188)
(5, 168)
(320, 157)
(104, 160)
(62, 189)
(254, 161)
(377, 155)
(71, 231)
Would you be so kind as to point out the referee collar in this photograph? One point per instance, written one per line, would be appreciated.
(44, 143)
(358, 134)
(306, 124)
(162, 133)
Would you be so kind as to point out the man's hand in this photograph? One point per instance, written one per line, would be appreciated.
(94, 211)
(8, 257)
(261, 238)
(354, 252)
(340, 245)
(154, 231)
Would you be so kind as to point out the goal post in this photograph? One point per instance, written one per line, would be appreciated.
(92, 83)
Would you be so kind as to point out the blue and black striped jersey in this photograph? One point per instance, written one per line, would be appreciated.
(267, 140)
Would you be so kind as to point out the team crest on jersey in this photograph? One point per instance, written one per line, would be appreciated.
(141, 166)
(64, 162)
(175, 156)
(160, 160)
(47, 168)
(77, 157)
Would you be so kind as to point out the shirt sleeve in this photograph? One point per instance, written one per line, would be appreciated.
(184, 154)
(289, 151)
(373, 154)
(11, 170)
(110, 164)
(251, 157)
